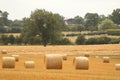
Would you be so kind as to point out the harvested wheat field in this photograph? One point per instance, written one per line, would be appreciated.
(97, 69)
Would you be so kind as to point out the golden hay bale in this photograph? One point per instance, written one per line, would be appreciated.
(106, 59)
(4, 51)
(16, 57)
(8, 62)
(53, 61)
(87, 55)
(117, 66)
(81, 63)
(64, 56)
(29, 64)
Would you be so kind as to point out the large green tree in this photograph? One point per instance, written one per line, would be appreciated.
(43, 24)
(115, 16)
(91, 21)
(106, 24)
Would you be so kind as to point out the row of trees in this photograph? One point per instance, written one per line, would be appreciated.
(9, 26)
(10, 39)
(94, 22)
(91, 22)
(81, 40)
(96, 40)
(18, 40)
(43, 27)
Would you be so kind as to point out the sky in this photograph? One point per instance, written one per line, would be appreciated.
(19, 9)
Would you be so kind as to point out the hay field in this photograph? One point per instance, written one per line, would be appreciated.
(97, 69)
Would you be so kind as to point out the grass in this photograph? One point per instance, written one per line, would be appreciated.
(97, 71)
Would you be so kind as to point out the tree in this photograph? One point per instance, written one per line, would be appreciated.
(64, 41)
(43, 24)
(106, 24)
(80, 27)
(80, 39)
(78, 20)
(11, 39)
(16, 26)
(115, 16)
(91, 21)
(4, 39)
(18, 40)
(3, 21)
(101, 18)
(75, 20)
(91, 41)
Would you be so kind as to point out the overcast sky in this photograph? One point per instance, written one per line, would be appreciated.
(19, 9)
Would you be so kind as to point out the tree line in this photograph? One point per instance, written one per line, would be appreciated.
(90, 22)
(9, 26)
(94, 22)
(81, 40)
(44, 27)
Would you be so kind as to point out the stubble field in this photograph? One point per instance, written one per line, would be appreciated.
(97, 69)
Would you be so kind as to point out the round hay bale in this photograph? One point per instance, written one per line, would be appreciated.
(64, 56)
(106, 59)
(117, 66)
(16, 57)
(87, 55)
(29, 64)
(53, 61)
(8, 62)
(4, 51)
(81, 63)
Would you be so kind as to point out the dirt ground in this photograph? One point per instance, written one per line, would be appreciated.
(97, 69)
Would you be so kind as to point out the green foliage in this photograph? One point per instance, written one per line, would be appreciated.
(78, 20)
(103, 40)
(80, 39)
(101, 18)
(3, 18)
(63, 41)
(44, 24)
(80, 27)
(71, 35)
(91, 41)
(97, 40)
(3, 21)
(115, 16)
(75, 20)
(115, 41)
(18, 40)
(4, 39)
(15, 26)
(76, 27)
(95, 33)
(9, 26)
(91, 21)
(14, 30)
(113, 32)
(106, 24)
(11, 39)
(2, 29)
